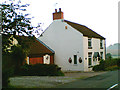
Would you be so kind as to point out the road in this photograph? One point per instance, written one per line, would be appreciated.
(105, 80)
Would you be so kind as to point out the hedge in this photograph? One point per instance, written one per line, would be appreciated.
(40, 70)
(110, 64)
(6, 74)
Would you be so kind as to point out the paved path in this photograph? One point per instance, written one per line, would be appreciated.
(105, 80)
(82, 74)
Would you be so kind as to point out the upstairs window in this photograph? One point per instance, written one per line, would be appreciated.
(101, 44)
(89, 43)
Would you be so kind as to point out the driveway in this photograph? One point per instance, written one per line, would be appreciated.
(49, 81)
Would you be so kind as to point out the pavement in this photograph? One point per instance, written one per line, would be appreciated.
(83, 74)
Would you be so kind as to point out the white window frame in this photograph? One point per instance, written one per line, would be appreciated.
(89, 57)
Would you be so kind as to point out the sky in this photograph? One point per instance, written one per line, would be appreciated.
(99, 15)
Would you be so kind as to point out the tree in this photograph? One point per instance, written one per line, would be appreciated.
(108, 56)
(15, 21)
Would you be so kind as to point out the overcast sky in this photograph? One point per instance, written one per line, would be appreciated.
(99, 15)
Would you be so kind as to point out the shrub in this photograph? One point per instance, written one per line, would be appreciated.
(111, 68)
(40, 70)
(97, 68)
(118, 62)
(112, 64)
(6, 73)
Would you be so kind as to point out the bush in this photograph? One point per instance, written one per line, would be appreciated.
(111, 62)
(7, 69)
(111, 68)
(104, 65)
(97, 68)
(118, 62)
(40, 70)
(6, 73)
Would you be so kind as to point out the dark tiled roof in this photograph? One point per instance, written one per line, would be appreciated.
(37, 48)
(84, 30)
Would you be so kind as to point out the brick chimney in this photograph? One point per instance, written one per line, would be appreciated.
(58, 15)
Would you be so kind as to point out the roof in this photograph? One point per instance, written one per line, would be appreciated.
(84, 30)
(37, 48)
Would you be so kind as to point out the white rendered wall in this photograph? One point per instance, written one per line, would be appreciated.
(95, 48)
(66, 43)
(46, 59)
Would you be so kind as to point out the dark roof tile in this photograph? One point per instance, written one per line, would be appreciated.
(36, 47)
(84, 30)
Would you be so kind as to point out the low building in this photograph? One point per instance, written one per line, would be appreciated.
(38, 51)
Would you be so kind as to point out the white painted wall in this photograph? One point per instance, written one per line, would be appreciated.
(66, 43)
(95, 48)
(46, 59)
(27, 60)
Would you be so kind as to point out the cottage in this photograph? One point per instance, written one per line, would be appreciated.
(77, 47)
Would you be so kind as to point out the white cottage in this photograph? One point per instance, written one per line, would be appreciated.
(77, 48)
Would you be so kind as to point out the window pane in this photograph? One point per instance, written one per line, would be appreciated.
(101, 43)
(89, 42)
(89, 61)
(101, 55)
(75, 59)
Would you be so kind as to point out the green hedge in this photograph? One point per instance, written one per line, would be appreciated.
(7, 69)
(110, 64)
(111, 68)
(6, 73)
(40, 70)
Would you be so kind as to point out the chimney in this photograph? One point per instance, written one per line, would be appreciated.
(58, 15)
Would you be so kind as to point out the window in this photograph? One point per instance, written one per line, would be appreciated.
(89, 59)
(101, 44)
(89, 43)
(101, 53)
(75, 59)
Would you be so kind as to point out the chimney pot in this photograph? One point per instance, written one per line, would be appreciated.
(55, 10)
(59, 9)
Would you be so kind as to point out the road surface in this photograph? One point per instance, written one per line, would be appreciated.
(105, 81)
